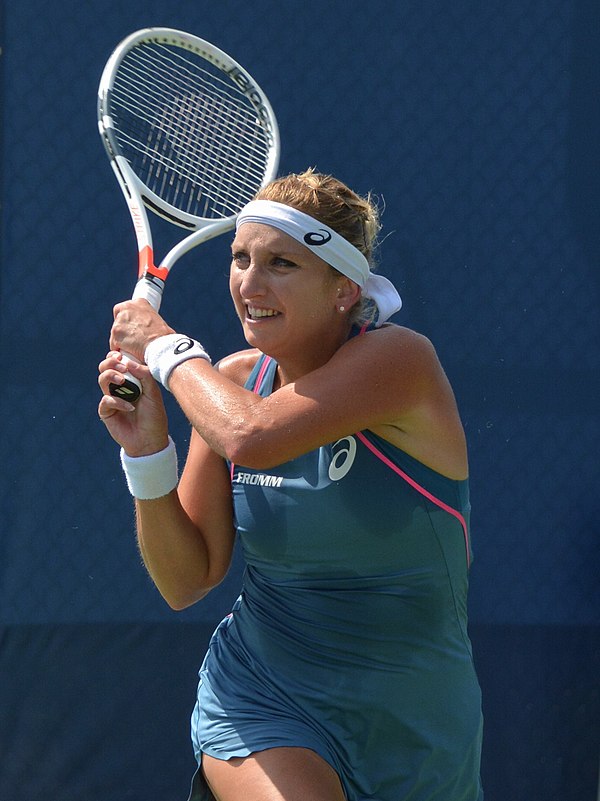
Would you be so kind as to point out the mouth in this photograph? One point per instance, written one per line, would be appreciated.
(254, 313)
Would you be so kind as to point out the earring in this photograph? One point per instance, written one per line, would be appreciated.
(342, 308)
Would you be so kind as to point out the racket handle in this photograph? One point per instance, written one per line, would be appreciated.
(149, 289)
(131, 389)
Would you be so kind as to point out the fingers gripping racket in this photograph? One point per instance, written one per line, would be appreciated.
(190, 136)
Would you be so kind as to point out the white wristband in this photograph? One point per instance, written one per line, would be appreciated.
(153, 476)
(163, 355)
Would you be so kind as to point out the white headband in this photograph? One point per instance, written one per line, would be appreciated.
(329, 246)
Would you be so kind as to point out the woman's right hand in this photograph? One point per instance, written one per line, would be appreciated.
(141, 429)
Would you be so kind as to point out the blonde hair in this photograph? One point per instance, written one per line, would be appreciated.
(333, 203)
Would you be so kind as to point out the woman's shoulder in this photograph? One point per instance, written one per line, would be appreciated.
(398, 344)
(238, 366)
(400, 333)
(428, 425)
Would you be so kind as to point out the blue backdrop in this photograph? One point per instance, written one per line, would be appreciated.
(478, 126)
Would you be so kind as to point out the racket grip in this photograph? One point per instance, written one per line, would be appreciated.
(150, 289)
(131, 389)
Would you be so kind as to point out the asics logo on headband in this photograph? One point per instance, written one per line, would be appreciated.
(316, 238)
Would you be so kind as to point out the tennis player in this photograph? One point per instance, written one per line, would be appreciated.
(333, 447)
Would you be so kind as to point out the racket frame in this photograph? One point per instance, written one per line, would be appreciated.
(139, 197)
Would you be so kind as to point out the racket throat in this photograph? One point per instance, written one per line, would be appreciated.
(151, 281)
(147, 268)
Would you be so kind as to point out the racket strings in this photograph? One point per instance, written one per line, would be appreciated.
(221, 102)
(221, 153)
(194, 138)
(172, 120)
(173, 150)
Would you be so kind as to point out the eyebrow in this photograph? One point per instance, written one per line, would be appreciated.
(283, 253)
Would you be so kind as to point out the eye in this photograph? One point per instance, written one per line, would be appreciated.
(240, 259)
(279, 261)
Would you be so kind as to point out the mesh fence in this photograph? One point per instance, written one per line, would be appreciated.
(477, 125)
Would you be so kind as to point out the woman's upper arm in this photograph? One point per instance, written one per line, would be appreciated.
(386, 377)
(205, 493)
(204, 488)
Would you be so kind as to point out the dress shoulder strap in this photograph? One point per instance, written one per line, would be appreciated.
(262, 376)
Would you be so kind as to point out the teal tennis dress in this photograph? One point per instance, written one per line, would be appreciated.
(350, 633)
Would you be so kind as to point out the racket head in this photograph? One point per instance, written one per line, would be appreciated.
(187, 126)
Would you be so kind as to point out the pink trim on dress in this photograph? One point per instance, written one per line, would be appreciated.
(261, 375)
(420, 489)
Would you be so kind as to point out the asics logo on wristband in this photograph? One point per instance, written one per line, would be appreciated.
(165, 353)
(183, 345)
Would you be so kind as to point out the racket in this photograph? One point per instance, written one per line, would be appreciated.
(190, 136)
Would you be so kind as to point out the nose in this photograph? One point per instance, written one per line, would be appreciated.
(251, 283)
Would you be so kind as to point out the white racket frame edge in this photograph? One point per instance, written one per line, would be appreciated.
(134, 190)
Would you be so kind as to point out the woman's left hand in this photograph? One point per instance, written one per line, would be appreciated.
(135, 325)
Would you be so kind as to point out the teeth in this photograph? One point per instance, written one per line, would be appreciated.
(254, 313)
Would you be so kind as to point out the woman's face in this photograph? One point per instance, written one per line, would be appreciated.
(286, 297)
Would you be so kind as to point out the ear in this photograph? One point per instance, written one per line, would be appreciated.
(348, 293)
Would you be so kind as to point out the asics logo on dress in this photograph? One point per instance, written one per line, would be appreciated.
(343, 458)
